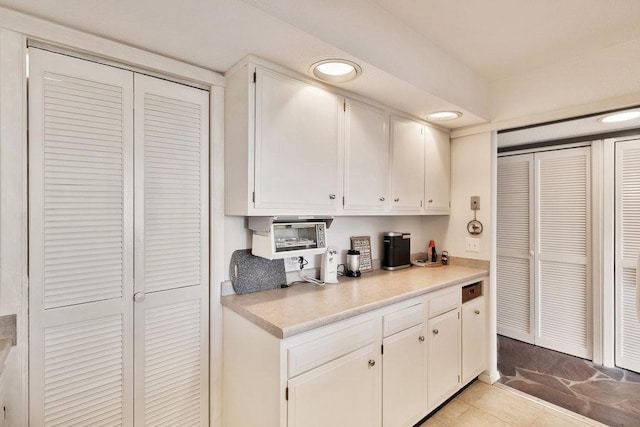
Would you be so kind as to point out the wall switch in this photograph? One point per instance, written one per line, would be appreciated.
(473, 245)
(475, 203)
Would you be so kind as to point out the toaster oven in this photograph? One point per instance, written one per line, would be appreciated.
(282, 237)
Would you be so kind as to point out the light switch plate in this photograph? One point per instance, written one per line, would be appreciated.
(473, 245)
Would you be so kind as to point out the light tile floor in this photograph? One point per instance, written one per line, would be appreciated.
(496, 405)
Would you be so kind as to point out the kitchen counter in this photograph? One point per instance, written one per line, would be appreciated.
(302, 307)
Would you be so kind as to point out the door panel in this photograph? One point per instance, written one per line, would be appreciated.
(515, 244)
(627, 353)
(80, 242)
(171, 238)
(563, 239)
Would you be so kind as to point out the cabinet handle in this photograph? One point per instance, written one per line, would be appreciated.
(397, 199)
(477, 311)
(421, 338)
(372, 363)
(430, 200)
(138, 296)
(332, 196)
(382, 199)
(435, 332)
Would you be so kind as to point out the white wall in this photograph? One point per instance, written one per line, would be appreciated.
(422, 229)
(471, 159)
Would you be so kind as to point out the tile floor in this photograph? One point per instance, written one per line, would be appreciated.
(608, 395)
(496, 405)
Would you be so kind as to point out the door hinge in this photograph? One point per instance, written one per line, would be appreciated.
(286, 392)
(382, 349)
(342, 200)
(458, 378)
(344, 105)
(420, 203)
(254, 197)
(254, 77)
(458, 315)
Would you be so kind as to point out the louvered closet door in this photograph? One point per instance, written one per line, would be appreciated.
(515, 247)
(80, 243)
(563, 239)
(171, 247)
(627, 255)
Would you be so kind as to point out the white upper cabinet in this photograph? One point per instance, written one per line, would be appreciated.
(366, 162)
(281, 151)
(407, 165)
(437, 172)
(294, 147)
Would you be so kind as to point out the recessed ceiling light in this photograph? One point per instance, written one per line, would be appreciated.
(443, 116)
(335, 70)
(620, 117)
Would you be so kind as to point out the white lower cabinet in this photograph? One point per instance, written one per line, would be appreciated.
(474, 339)
(385, 368)
(404, 377)
(444, 356)
(345, 391)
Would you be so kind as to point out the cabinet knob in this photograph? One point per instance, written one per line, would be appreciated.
(421, 338)
(138, 296)
(477, 311)
(430, 200)
(382, 199)
(372, 363)
(435, 332)
(397, 199)
(332, 196)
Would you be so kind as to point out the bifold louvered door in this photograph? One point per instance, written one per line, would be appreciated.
(543, 244)
(171, 254)
(96, 356)
(627, 260)
(80, 242)
(563, 239)
(515, 292)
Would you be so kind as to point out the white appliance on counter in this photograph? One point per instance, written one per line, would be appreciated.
(282, 237)
(329, 271)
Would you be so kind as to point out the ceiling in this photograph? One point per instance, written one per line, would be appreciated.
(417, 55)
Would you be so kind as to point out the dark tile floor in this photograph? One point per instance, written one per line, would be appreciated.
(608, 395)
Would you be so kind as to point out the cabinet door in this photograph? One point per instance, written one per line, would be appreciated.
(437, 171)
(296, 145)
(444, 356)
(366, 170)
(344, 392)
(404, 378)
(407, 165)
(474, 339)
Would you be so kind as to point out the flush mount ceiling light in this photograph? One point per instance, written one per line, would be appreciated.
(444, 116)
(335, 70)
(620, 117)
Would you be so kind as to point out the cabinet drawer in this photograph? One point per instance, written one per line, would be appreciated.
(309, 355)
(443, 303)
(471, 291)
(403, 319)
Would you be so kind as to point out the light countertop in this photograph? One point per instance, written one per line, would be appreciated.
(302, 307)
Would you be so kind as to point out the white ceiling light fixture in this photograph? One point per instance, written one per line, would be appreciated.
(335, 70)
(444, 116)
(620, 117)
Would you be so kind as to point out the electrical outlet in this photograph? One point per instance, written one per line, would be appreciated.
(291, 264)
(473, 245)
